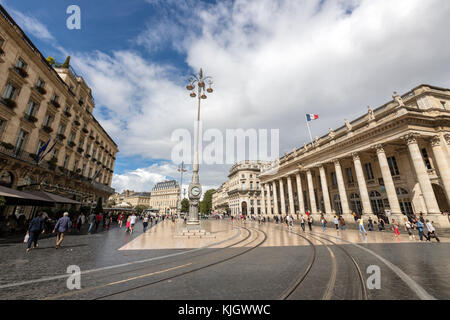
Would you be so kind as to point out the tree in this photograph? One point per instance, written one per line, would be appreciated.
(185, 205)
(206, 203)
(140, 208)
(99, 208)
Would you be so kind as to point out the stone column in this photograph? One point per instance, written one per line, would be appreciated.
(341, 187)
(283, 203)
(291, 196)
(275, 198)
(263, 200)
(367, 209)
(422, 174)
(326, 194)
(312, 199)
(269, 198)
(301, 203)
(442, 164)
(388, 181)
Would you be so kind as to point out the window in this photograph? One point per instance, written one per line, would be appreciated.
(90, 172)
(71, 136)
(55, 153)
(444, 104)
(393, 166)
(84, 169)
(10, 92)
(369, 171)
(2, 126)
(55, 97)
(349, 175)
(333, 179)
(81, 143)
(251, 176)
(21, 64)
(20, 141)
(32, 107)
(426, 159)
(66, 161)
(39, 146)
(61, 129)
(40, 83)
(243, 176)
(67, 109)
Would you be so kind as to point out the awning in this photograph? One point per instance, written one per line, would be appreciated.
(16, 197)
(51, 197)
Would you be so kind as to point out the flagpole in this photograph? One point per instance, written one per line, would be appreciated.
(309, 129)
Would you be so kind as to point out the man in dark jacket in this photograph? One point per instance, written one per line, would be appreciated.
(36, 227)
(61, 227)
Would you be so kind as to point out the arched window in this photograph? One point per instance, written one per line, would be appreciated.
(376, 202)
(355, 203)
(337, 204)
(404, 201)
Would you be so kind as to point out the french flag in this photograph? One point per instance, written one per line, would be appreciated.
(311, 117)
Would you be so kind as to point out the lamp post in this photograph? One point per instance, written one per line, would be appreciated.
(195, 189)
(181, 170)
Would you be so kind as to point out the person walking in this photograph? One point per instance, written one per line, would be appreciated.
(128, 224)
(408, 228)
(370, 225)
(132, 222)
(36, 227)
(336, 223)
(396, 228)
(98, 219)
(342, 222)
(324, 223)
(302, 223)
(431, 231)
(80, 222)
(120, 220)
(108, 221)
(310, 222)
(145, 223)
(381, 224)
(91, 221)
(290, 222)
(61, 227)
(361, 226)
(420, 226)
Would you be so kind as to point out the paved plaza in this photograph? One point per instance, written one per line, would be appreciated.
(239, 260)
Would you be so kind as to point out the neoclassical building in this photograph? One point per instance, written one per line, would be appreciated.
(395, 158)
(131, 197)
(42, 103)
(244, 188)
(220, 198)
(165, 196)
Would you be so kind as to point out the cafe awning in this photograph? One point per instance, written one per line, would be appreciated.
(16, 197)
(52, 197)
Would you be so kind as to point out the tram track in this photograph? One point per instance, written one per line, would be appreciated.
(233, 256)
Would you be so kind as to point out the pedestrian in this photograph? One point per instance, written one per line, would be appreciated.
(128, 224)
(431, 231)
(342, 222)
(132, 222)
(420, 226)
(355, 216)
(98, 219)
(324, 223)
(91, 221)
(310, 222)
(145, 223)
(108, 221)
(61, 227)
(120, 220)
(336, 222)
(291, 222)
(408, 228)
(396, 228)
(361, 226)
(370, 225)
(80, 222)
(302, 223)
(35, 228)
(381, 224)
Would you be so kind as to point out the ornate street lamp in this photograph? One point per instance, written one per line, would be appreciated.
(195, 189)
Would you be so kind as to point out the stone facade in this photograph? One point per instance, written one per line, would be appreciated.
(165, 196)
(220, 198)
(394, 158)
(39, 103)
(131, 197)
(241, 192)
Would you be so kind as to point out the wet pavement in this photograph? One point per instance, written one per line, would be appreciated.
(241, 261)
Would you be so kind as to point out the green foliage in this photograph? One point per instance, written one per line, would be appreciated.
(140, 208)
(185, 205)
(51, 61)
(66, 63)
(206, 203)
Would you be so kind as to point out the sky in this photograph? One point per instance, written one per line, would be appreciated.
(272, 62)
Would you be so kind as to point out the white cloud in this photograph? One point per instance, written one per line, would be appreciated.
(31, 25)
(272, 61)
